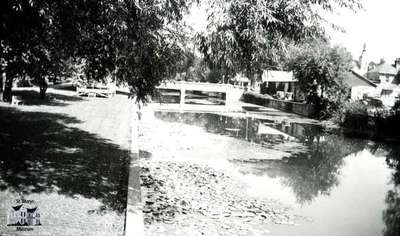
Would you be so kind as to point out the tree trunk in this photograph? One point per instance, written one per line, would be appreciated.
(43, 87)
(250, 76)
(7, 93)
(1, 81)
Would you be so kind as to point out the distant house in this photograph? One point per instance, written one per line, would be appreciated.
(381, 81)
(274, 82)
(383, 74)
(359, 85)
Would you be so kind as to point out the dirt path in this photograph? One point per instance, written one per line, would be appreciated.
(70, 156)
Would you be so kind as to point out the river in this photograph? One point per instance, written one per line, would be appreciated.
(335, 184)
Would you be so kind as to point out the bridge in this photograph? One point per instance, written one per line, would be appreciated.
(231, 93)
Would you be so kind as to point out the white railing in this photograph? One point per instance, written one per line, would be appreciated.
(198, 85)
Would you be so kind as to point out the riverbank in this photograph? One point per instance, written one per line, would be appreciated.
(184, 198)
(378, 127)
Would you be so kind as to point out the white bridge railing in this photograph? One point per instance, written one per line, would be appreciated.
(232, 92)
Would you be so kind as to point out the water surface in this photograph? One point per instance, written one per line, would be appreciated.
(342, 186)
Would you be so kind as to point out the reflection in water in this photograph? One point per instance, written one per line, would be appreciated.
(248, 128)
(314, 170)
(391, 216)
(310, 172)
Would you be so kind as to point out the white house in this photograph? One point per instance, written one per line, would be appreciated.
(274, 81)
(383, 74)
(379, 82)
(360, 85)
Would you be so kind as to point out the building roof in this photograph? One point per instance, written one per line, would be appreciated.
(354, 79)
(384, 68)
(31, 210)
(16, 208)
(277, 76)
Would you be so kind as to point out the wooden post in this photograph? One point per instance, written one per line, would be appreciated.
(183, 92)
(286, 88)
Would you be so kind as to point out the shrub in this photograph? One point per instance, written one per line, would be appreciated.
(396, 108)
(356, 107)
(353, 115)
(382, 124)
(24, 83)
(327, 107)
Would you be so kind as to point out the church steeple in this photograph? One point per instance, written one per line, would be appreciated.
(362, 63)
(361, 58)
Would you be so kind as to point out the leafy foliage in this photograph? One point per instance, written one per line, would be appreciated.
(250, 35)
(353, 115)
(321, 71)
(191, 67)
(151, 44)
(396, 108)
(139, 43)
(136, 42)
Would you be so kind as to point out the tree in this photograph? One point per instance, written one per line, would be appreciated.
(19, 23)
(140, 42)
(136, 42)
(248, 35)
(321, 70)
(36, 40)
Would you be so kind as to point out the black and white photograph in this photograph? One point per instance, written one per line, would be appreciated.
(199, 117)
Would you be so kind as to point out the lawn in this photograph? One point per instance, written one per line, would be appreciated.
(68, 158)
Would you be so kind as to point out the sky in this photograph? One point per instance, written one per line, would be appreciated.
(377, 25)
